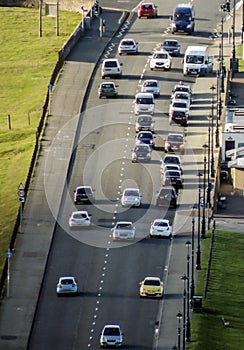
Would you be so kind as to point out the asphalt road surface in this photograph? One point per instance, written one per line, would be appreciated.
(109, 273)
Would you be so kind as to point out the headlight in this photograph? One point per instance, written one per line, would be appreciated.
(188, 26)
(148, 155)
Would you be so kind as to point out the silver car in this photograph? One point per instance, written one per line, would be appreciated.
(152, 86)
(111, 336)
(123, 230)
(141, 153)
(144, 122)
(131, 197)
(171, 46)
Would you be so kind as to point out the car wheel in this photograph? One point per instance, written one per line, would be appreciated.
(151, 68)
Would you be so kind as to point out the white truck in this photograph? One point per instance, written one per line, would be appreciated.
(197, 61)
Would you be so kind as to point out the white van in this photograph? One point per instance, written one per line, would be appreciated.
(111, 67)
(144, 103)
(197, 61)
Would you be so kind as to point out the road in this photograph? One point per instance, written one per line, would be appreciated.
(109, 273)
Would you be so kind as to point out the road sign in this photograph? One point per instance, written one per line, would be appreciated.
(21, 186)
(202, 202)
(21, 193)
(9, 254)
(21, 199)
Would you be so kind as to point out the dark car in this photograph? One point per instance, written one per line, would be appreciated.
(171, 46)
(146, 137)
(167, 196)
(141, 153)
(172, 177)
(144, 122)
(108, 90)
(84, 194)
(178, 117)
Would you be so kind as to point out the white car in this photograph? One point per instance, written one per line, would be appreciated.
(152, 86)
(182, 87)
(128, 46)
(67, 285)
(171, 159)
(111, 67)
(180, 95)
(161, 60)
(161, 228)
(123, 230)
(131, 197)
(111, 336)
(179, 105)
(144, 122)
(144, 103)
(79, 218)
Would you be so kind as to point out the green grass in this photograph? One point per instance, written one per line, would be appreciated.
(239, 55)
(224, 297)
(26, 65)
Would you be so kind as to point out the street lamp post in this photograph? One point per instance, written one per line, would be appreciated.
(188, 322)
(208, 164)
(184, 278)
(198, 262)
(203, 233)
(212, 127)
(192, 254)
(179, 316)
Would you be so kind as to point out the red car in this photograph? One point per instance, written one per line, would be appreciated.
(174, 143)
(147, 9)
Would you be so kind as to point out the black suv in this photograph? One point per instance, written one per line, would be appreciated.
(84, 194)
(178, 117)
(167, 196)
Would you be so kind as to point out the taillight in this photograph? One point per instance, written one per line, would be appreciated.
(73, 285)
(59, 285)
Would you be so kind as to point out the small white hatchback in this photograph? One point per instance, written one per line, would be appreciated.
(111, 68)
(144, 103)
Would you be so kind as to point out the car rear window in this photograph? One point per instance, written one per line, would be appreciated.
(144, 100)
(67, 281)
(111, 64)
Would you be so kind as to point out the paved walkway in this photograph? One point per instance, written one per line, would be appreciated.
(28, 262)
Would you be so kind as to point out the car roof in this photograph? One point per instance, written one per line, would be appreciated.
(66, 277)
(111, 325)
(85, 186)
(124, 222)
(144, 94)
(161, 220)
(152, 278)
(131, 188)
(151, 80)
(127, 39)
(80, 212)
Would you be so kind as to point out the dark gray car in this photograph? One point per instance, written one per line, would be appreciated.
(172, 47)
(141, 153)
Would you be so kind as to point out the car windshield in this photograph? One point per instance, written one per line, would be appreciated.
(160, 55)
(182, 16)
(110, 64)
(181, 96)
(79, 215)
(152, 283)
(67, 281)
(144, 100)
(182, 88)
(124, 225)
(170, 43)
(85, 190)
(170, 159)
(172, 173)
(151, 83)
(131, 193)
(111, 331)
(165, 192)
(127, 42)
(145, 136)
(177, 138)
(147, 7)
(179, 104)
(141, 149)
(194, 59)
(144, 120)
(107, 86)
(161, 224)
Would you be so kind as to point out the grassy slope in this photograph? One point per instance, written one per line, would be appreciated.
(26, 65)
(224, 297)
